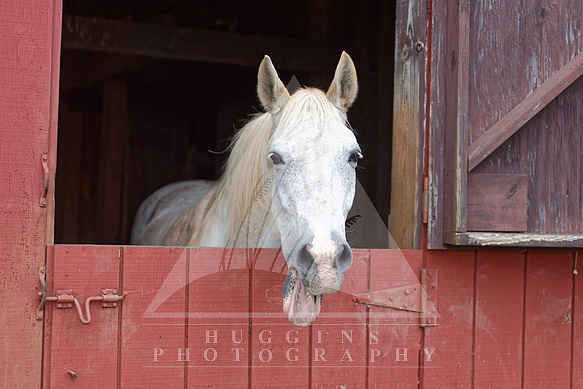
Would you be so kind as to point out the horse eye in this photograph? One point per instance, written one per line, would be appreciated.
(354, 157)
(275, 158)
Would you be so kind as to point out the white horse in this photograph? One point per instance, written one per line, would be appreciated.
(289, 182)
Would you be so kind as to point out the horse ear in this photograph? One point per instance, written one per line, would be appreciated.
(344, 87)
(271, 91)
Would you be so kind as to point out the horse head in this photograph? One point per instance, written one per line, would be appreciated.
(312, 156)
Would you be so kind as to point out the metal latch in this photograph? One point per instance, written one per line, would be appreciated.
(65, 300)
(420, 297)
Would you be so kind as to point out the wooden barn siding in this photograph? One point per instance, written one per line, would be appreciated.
(511, 50)
(29, 64)
(509, 62)
(507, 318)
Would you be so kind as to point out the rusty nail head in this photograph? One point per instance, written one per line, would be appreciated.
(391, 298)
(433, 286)
(407, 291)
(429, 274)
(59, 305)
(432, 310)
(104, 305)
(69, 305)
(114, 304)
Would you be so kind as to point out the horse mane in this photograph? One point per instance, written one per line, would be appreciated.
(247, 172)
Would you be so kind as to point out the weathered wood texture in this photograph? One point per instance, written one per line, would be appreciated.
(518, 57)
(29, 64)
(408, 124)
(497, 202)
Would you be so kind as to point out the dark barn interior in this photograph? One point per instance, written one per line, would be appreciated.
(148, 87)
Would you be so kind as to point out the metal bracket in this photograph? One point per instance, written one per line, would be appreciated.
(420, 298)
(65, 300)
(47, 180)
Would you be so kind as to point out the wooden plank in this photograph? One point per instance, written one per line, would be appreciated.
(498, 319)
(170, 42)
(547, 333)
(218, 318)
(339, 335)
(29, 63)
(497, 202)
(153, 318)
(394, 344)
(408, 119)
(280, 351)
(524, 111)
(577, 338)
(437, 119)
(114, 135)
(86, 270)
(513, 239)
(451, 340)
(456, 120)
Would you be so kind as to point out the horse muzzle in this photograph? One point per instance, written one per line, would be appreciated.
(318, 269)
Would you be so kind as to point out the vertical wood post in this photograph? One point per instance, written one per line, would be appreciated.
(114, 134)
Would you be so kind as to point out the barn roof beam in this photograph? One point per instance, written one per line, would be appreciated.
(171, 42)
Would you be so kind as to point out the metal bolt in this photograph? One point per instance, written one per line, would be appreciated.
(429, 321)
(114, 304)
(419, 46)
(59, 305)
(69, 305)
(69, 292)
(115, 291)
(58, 292)
(72, 373)
(407, 291)
(104, 305)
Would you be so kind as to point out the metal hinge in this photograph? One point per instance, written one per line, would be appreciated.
(425, 200)
(420, 298)
(65, 300)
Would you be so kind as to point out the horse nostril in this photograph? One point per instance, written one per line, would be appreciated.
(344, 258)
(305, 259)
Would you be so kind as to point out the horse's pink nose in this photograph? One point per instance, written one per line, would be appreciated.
(332, 260)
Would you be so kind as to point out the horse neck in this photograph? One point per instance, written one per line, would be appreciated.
(240, 215)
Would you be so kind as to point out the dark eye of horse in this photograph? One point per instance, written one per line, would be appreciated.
(354, 157)
(275, 158)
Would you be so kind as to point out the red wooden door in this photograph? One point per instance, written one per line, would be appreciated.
(213, 318)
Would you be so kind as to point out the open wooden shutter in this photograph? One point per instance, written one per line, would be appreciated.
(506, 120)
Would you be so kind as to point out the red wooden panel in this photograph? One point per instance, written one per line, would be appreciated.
(280, 351)
(395, 335)
(578, 325)
(547, 335)
(451, 362)
(339, 334)
(218, 318)
(29, 63)
(497, 202)
(154, 317)
(89, 351)
(498, 321)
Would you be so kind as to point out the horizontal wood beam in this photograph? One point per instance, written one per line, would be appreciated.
(524, 111)
(171, 42)
(508, 239)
